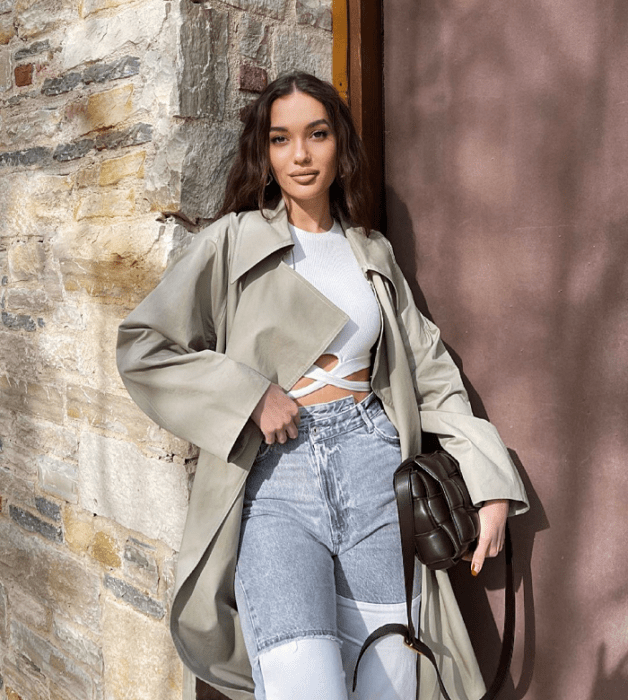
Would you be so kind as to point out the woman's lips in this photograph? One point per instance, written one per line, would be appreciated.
(304, 178)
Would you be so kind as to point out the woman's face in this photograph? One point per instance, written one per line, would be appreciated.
(302, 149)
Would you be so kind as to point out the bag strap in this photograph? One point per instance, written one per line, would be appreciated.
(406, 523)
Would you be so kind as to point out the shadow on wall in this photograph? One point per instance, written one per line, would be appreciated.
(510, 209)
(471, 592)
(611, 682)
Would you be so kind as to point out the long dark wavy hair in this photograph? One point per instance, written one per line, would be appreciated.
(248, 186)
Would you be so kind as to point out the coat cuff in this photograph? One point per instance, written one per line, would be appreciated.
(485, 464)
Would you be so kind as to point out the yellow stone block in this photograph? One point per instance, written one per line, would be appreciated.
(115, 169)
(79, 531)
(103, 109)
(7, 30)
(106, 203)
(104, 549)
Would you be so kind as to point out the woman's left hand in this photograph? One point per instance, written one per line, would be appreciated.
(493, 515)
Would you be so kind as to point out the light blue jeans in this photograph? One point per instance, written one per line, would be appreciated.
(320, 553)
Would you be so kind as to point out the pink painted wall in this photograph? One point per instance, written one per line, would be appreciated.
(507, 202)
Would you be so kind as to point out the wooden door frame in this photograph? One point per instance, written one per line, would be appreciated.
(357, 62)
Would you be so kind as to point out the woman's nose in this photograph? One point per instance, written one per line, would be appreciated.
(301, 152)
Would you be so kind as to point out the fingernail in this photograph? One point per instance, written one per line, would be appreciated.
(474, 570)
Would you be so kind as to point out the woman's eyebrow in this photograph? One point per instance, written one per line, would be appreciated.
(311, 125)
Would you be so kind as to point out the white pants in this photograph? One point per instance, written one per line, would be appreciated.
(322, 669)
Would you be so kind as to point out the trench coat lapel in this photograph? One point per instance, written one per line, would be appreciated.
(371, 255)
(282, 323)
(261, 236)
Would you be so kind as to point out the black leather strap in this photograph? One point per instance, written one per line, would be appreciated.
(406, 522)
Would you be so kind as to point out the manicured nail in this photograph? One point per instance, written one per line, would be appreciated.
(474, 570)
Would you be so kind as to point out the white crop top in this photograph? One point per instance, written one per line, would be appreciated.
(327, 262)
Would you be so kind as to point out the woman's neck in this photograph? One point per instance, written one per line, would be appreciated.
(310, 216)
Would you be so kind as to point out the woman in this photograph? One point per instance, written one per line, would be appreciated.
(287, 324)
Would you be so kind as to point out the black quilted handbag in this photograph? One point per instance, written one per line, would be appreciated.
(439, 524)
(445, 524)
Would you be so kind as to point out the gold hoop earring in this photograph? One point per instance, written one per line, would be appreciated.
(270, 179)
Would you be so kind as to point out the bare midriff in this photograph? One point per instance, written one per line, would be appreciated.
(331, 393)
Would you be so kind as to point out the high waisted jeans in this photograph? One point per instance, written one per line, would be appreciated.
(320, 555)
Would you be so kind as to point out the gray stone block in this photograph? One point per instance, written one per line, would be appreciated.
(18, 321)
(48, 508)
(32, 50)
(208, 158)
(138, 553)
(133, 136)
(73, 151)
(102, 72)
(140, 565)
(58, 86)
(253, 42)
(29, 156)
(131, 595)
(204, 43)
(32, 523)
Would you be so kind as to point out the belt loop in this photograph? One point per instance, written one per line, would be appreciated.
(365, 416)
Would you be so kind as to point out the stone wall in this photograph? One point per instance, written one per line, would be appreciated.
(117, 121)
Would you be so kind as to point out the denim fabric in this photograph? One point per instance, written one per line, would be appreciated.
(320, 521)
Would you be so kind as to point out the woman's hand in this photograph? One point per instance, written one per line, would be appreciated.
(276, 415)
(493, 515)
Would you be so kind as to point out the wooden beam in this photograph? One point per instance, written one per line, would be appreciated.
(358, 51)
(340, 50)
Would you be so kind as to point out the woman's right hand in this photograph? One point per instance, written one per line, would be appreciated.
(276, 415)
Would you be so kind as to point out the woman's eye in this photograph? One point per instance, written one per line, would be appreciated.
(320, 134)
(277, 139)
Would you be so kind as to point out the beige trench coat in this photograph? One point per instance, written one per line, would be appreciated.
(198, 353)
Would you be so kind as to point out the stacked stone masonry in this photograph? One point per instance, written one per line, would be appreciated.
(118, 119)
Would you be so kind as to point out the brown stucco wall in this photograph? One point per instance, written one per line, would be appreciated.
(507, 172)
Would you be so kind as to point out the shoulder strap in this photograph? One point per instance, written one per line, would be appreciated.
(406, 522)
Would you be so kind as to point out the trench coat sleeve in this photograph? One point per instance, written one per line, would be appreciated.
(171, 357)
(445, 409)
